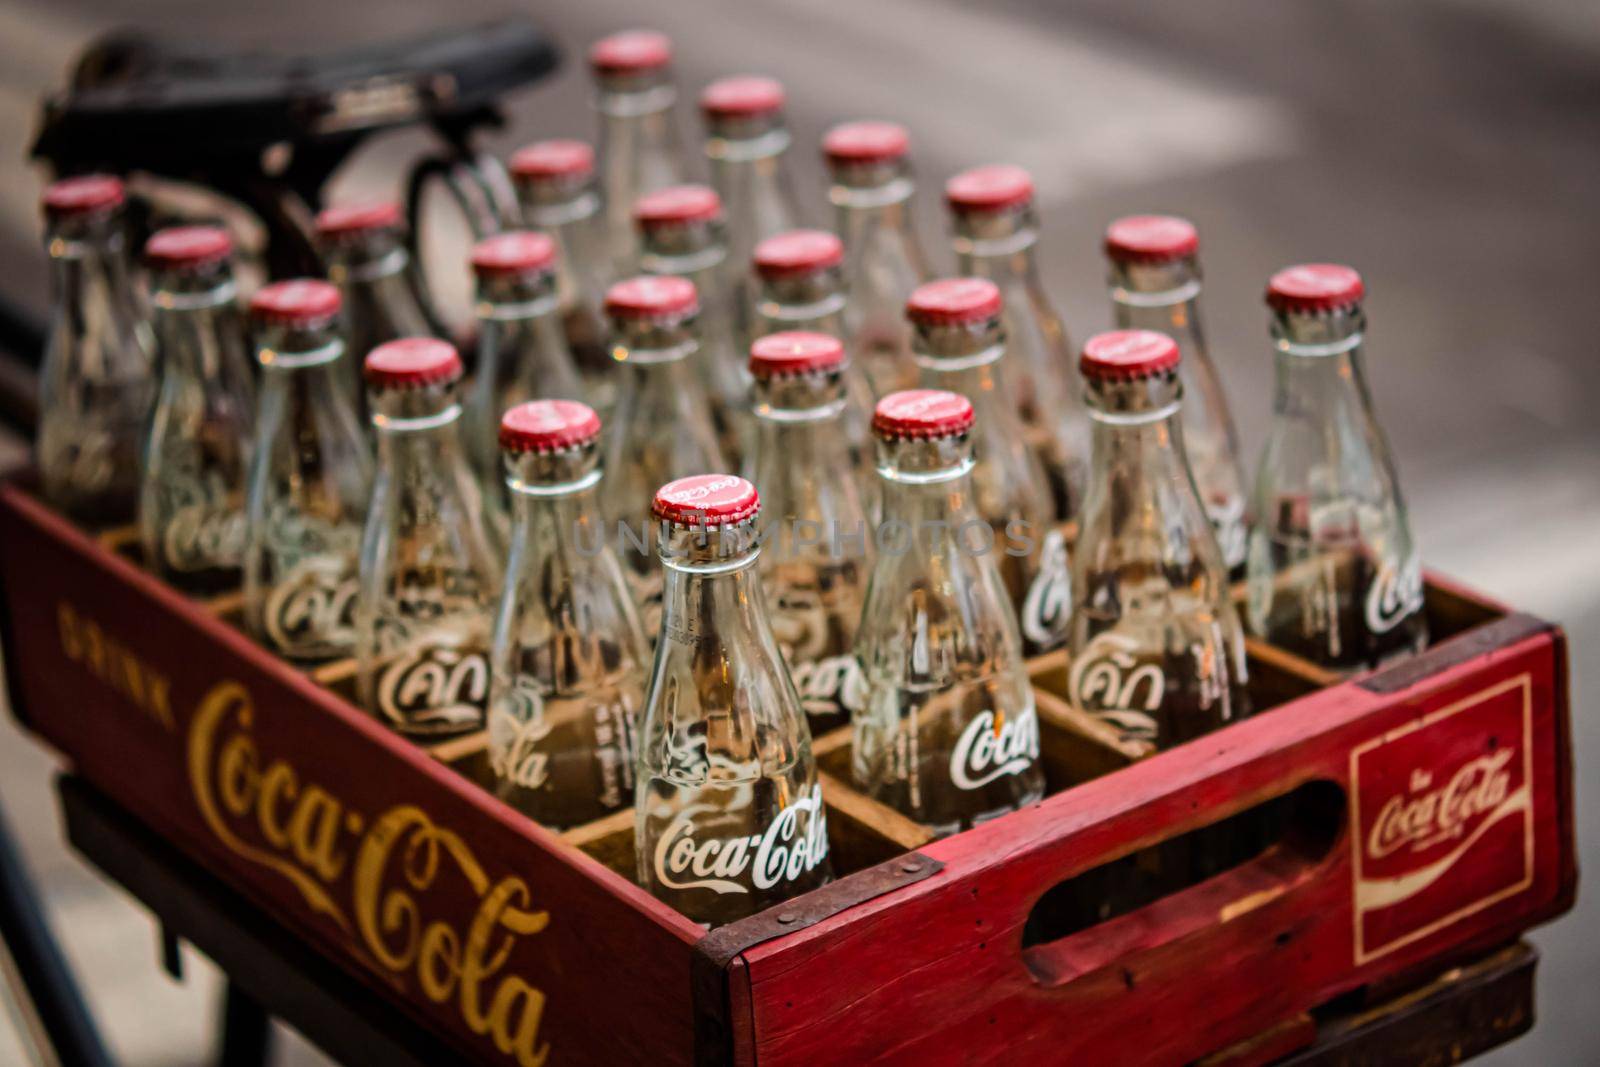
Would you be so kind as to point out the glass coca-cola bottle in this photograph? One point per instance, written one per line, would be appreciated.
(556, 189)
(801, 288)
(870, 188)
(960, 345)
(191, 496)
(818, 548)
(364, 251)
(98, 381)
(639, 147)
(522, 350)
(730, 816)
(947, 731)
(659, 430)
(683, 235)
(1155, 285)
(1157, 649)
(1334, 573)
(995, 229)
(568, 660)
(747, 144)
(428, 574)
(310, 479)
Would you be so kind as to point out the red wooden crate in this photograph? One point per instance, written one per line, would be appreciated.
(1432, 815)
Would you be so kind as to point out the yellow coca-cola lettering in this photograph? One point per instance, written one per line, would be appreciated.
(84, 641)
(311, 838)
(392, 928)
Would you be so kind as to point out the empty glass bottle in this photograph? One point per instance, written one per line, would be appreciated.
(995, 229)
(801, 288)
(682, 234)
(1155, 285)
(310, 479)
(1335, 575)
(568, 658)
(522, 351)
(947, 731)
(97, 382)
(730, 816)
(959, 344)
(747, 143)
(1157, 650)
(191, 497)
(556, 188)
(639, 147)
(364, 251)
(817, 552)
(659, 430)
(428, 575)
(870, 188)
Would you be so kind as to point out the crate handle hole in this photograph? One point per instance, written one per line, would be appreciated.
(1183, 885)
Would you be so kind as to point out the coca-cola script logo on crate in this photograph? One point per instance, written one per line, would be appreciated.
(1443, 817)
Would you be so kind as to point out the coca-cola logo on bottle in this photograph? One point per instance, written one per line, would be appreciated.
(1395, 594)
(793, 843)
(1108, 681)
(1047, 608)
(434, 688)
(1443, 817)
(313, 607)
(517, 727)
(202, 536)
(1233, 537)
(994, 746)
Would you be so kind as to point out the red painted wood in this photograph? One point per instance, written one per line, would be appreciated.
(936, 972)
(386, 860)
(125, 676)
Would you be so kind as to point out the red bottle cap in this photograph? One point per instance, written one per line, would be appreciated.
(187, 247)
(652, 297)
(992, 188)
(298, 302)
(794, 352)
(953, 301)
(798, 252)
(548, 426)
(1124, 355)
(706, 499)
(412, 361)
(83, 195)
(1151, 239)
(553, 159)
(677, 205)
(868, 141)
(922, 413)
(742, 96)
(630, 52)
(514, 252)
(341, 220)
(1313, 287)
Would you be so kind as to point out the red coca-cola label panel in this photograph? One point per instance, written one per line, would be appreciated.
(1443, 817)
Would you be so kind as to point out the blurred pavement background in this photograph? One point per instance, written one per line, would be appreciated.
(1447, 148)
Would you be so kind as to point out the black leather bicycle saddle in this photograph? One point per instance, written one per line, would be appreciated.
(139, 103)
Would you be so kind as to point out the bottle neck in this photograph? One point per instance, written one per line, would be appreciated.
(799, 434)
(516, 298)
(865, 210)
(194, 323)
(87, 263)
(555, 502)
(417, 428)
(555, 205)
(1158, 296)
(697, 253)
(1319, 368)
(804, 301)
(927, 486)
(648, 346)
(1136, 448)
(996, 245)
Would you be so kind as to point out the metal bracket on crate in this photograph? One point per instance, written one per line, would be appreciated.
(716, 952)
(1501, 633)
